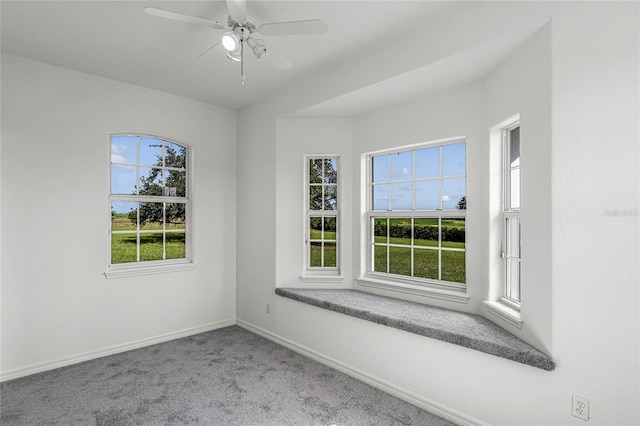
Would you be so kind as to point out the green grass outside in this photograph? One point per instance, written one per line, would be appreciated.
(123, 247)
(425, 262)
(423, 243)
(315, 255)
(317, 235)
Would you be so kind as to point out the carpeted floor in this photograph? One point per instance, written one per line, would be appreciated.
(224, 377)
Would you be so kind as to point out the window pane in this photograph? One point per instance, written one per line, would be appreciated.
(453, 233)
(124, 149)
(150, 151)
(175, 155)
(315, 170)
(380, 258)
(428, 163)
(400, 260)
(452, 192)
(151, 245)
(381, 197)
(151, 216)
(380, 230)
(514, 147)
(315, 254)
(402, 165)
(513, 237)
(175, 183)
(176, 247)
(425, 232)
(331, 170)
(150, 181)
(428, 195)
(123, 248)
(315, 228)
(453, 266)
(514, 197)
(175, 214)
(329, 228)
(330, 255)
(123, 215)
(331, 197)
(513, 286)
(315, 197)
(380, 168)
(402, 196)
(400, 231)
(425, 263)
(454, 159)
(123, 179)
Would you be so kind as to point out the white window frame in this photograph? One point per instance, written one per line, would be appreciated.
(440, 289)
(119, 270)
(499, 303)
(319, 274)
(510, 213)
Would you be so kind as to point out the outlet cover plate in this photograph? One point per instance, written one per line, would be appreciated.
(580, 407)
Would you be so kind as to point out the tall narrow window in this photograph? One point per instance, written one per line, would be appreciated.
(322, 224)
(417, 215)
(149, 201)
(511, 214)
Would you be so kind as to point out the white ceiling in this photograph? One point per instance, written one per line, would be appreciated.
(117, 40)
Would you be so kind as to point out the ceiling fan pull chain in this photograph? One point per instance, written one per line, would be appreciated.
(242, 57)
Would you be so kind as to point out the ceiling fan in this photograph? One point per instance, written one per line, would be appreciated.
(240, 31)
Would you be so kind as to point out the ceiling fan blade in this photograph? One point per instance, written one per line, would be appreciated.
(237, 10)
(277, 58)
(208, 50)
(183, 18)
(309, 26)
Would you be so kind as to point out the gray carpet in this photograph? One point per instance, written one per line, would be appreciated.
(459, 328)
(224, 377)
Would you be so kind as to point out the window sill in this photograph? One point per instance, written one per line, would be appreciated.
(434, 293)
(138, 270)
(503, 312)
(459, 328)
(321, 278)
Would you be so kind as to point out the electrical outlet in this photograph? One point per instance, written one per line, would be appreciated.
(580, 407)
(268, 308)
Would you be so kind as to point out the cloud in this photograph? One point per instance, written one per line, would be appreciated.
(119, 153)
(446, 198)
(117, 158)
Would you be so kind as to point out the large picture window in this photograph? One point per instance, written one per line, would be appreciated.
(322, 229)
(417, 214)
(149, 200)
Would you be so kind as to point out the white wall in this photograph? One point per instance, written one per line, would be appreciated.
(57, 306)
(587, 157)
(298, 137)
(522, 85)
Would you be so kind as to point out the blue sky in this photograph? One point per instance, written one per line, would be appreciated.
(124, 149)
(427, 166)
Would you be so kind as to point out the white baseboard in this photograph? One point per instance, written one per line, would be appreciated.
(86, 356)
(410, 397)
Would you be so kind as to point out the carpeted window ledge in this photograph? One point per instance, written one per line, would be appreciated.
(459, 328)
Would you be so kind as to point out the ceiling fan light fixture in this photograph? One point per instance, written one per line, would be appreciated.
(235, 55)
(257, 46)
(230, 41)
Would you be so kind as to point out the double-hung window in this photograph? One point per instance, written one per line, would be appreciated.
(416, 215)
(322, 224)
(149, 202)
(511, 251)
